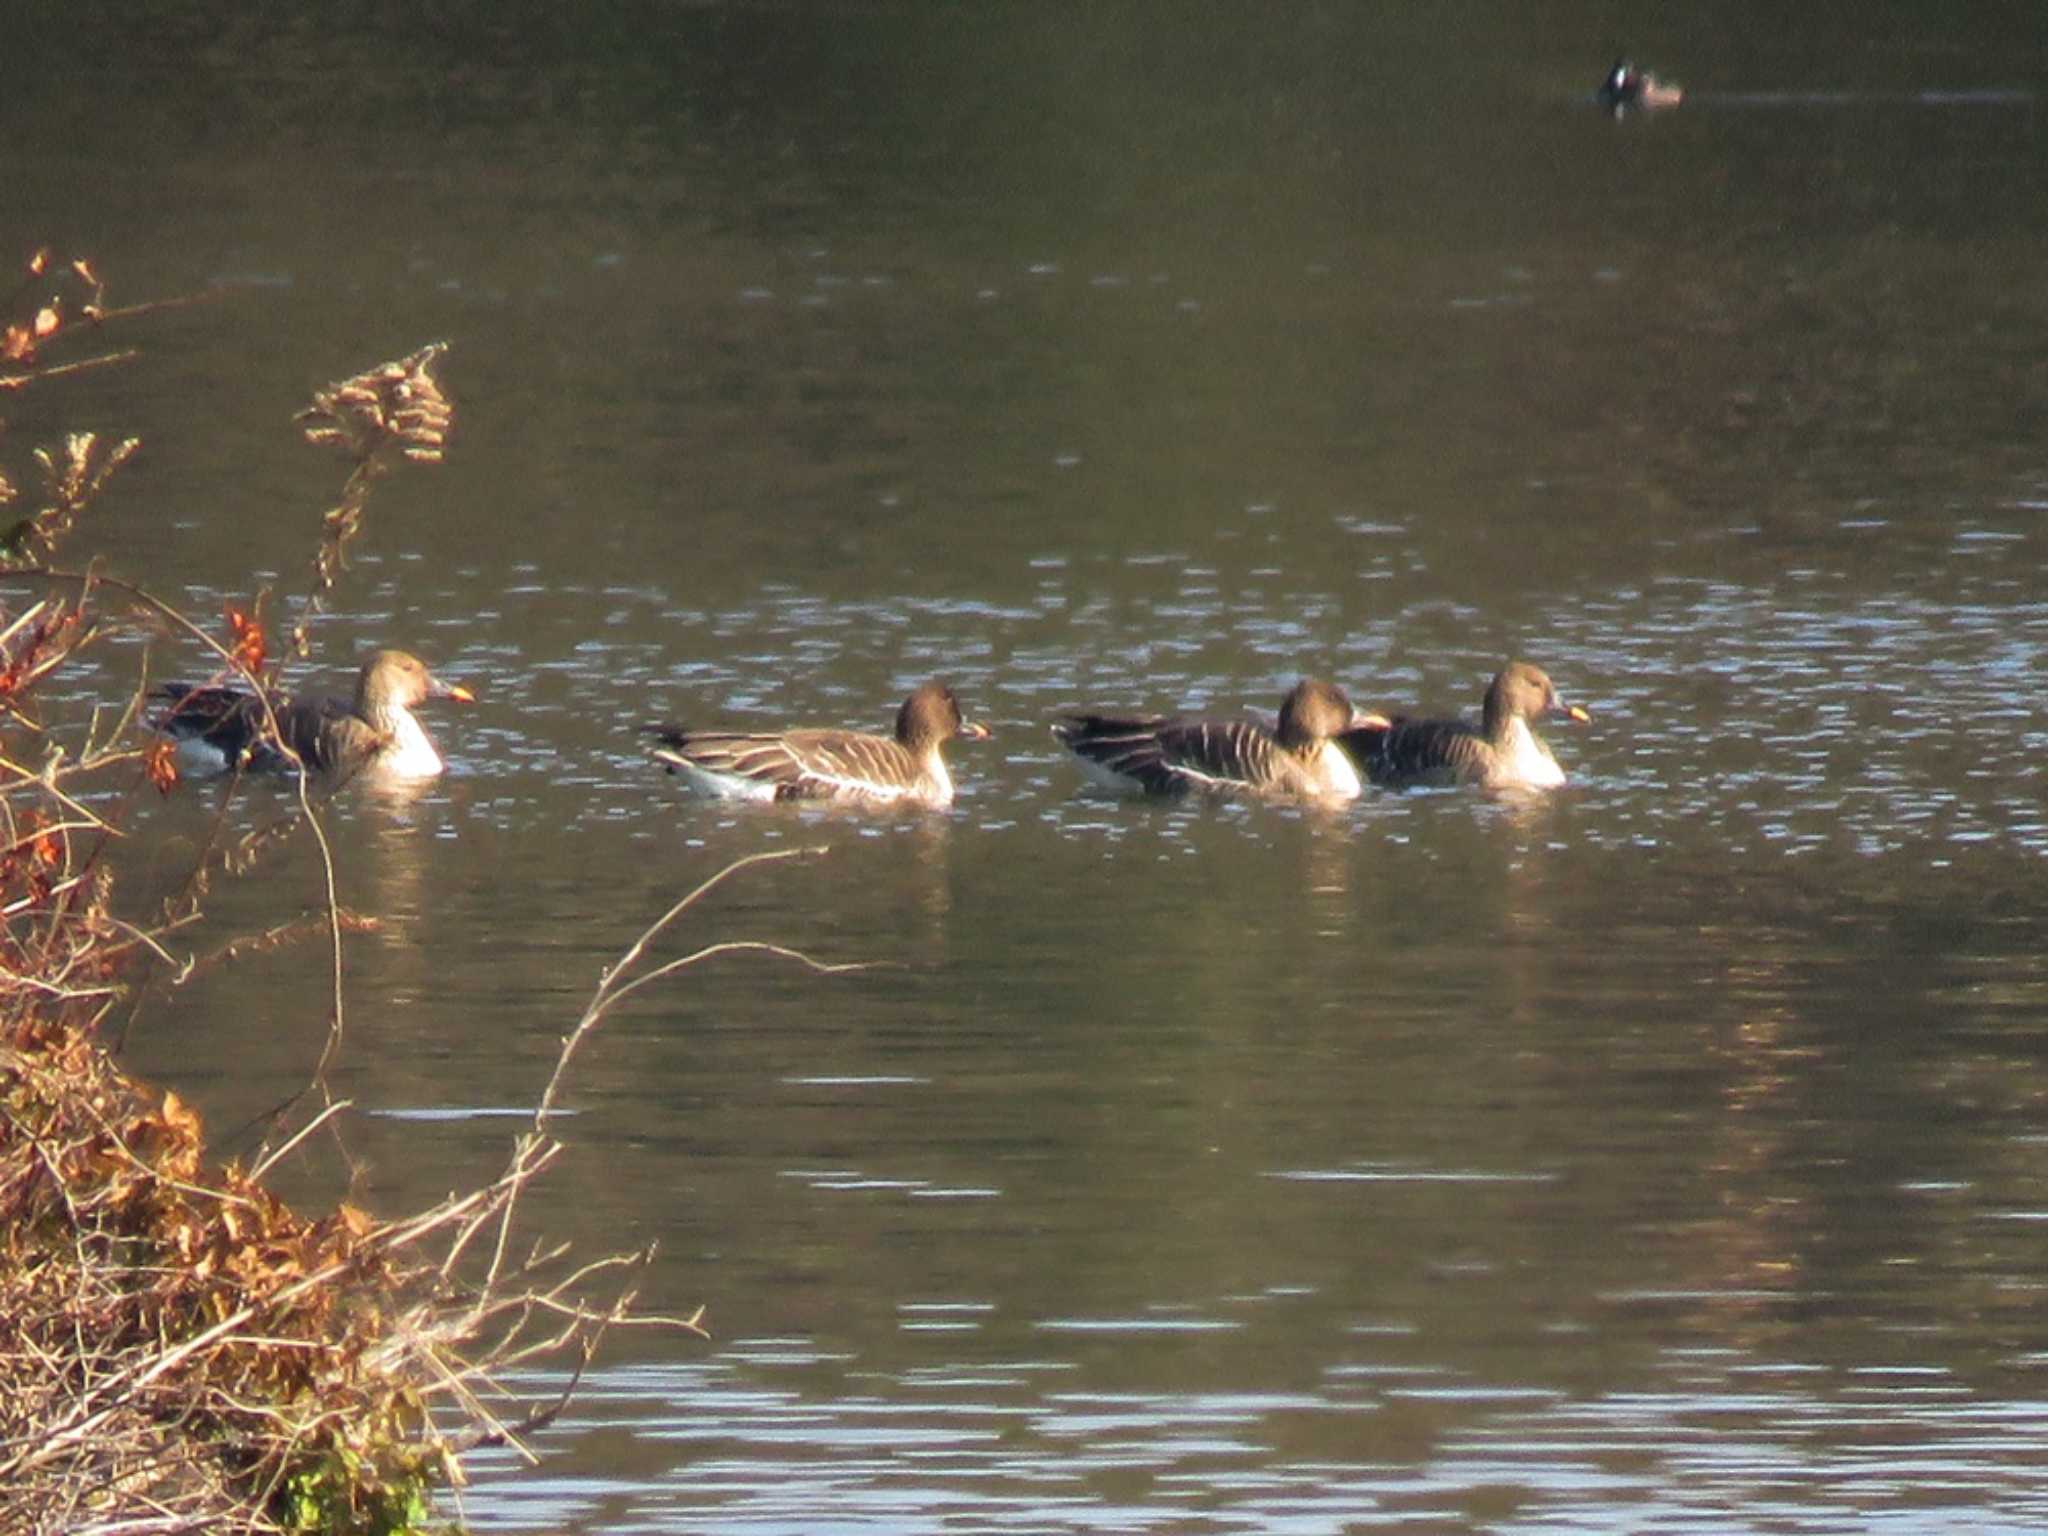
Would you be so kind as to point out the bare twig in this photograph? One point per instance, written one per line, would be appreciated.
(265, 1164)
(178, 1350)
(608, 987)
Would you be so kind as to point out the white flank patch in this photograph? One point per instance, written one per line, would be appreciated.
(1527, 761)
(717, 786)
(848, 788)
(201, 759)
(1334, 769)
(940, 791)
(411, 755)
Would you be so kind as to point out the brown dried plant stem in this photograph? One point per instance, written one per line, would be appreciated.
(611, 989)
(179, 1351)
(148, 1399)
(231, 663)
(394, 411)
(533, 1151)
(176, 1348)
(537, 1146)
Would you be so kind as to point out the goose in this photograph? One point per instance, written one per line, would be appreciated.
(1172, 755)
(1626, 86)
(812, 764)
(218, 727)
(1500, 752)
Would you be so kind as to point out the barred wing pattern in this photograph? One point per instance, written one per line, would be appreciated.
(325, 733)
(1405, 752)
(801, 765)
(1172, 756)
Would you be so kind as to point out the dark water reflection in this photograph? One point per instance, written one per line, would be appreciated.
(1664, 1155)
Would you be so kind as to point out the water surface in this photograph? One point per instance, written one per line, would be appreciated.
(1663, 1154)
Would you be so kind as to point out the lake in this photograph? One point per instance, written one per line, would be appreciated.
(1668, 1153)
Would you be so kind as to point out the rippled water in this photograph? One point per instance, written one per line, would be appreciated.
(1664, 1154)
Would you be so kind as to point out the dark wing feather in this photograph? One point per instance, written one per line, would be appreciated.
(1124, 746)
(326, 733)
(1227, 753)
(224, 718)
(1407, 752)
(1172, 757)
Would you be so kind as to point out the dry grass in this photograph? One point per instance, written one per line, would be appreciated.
(179, 1351)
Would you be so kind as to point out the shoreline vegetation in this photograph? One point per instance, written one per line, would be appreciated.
(179, 1350)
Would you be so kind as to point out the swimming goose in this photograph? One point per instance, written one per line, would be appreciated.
(217, 727)
(849, 766)
(1626, 86)
(1171, 755)
(1500, 752)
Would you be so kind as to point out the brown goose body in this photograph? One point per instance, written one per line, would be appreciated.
(1179, 754)
(218, 728)
(1500, 751)
(854, 767)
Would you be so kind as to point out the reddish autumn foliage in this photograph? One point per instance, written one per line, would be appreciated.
(179, 1350)
(160, 762)
(246, 643)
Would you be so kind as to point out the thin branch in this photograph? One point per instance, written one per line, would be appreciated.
(78, 365)
(256, 1174)
(733, 946)
(601, 1000)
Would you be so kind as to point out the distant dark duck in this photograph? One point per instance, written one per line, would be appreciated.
(1626, 87)
(1173, 755)
(1500, 752)
(218, 727)
(849, 766)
